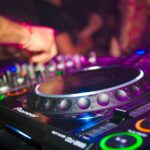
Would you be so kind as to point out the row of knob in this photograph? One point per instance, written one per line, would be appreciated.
(26, 74)
(83, 103)
(46, 104)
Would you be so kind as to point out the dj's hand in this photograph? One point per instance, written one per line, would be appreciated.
(42, 40)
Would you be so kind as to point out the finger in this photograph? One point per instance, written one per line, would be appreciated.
(45, 57)
(39, 46)
(40, 59)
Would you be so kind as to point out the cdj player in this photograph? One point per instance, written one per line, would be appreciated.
(79, 103)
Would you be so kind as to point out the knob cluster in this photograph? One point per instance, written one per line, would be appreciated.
(24, 74)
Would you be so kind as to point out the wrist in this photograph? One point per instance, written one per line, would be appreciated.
(27, 36)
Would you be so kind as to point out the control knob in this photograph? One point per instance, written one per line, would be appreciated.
(84, 103)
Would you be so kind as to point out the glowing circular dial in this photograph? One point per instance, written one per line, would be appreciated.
(143, 125)
(121, 141)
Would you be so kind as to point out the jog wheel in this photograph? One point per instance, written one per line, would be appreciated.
(121, 141)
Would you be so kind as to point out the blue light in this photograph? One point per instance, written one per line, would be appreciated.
(13, 69)
(18, 132)
(86, 117)
(85, 127)
(140, 52)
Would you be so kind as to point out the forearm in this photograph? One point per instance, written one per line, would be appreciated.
(85, 33)
(12, 33)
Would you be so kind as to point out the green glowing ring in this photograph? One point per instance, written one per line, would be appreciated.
(138, 143)
(2, 97)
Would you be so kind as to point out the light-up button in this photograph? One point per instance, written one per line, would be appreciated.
(143, 125)
(140, 52)
(60, 65)
(69, 63)
(121, 141)
(13, 69)
(2, 97)
(4, 89)
(52, 66)
(59, 73)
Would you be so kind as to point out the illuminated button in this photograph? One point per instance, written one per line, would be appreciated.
(84, 103)
(17, 92)
(65, 104)
(20, 80)
(69, 63)
(2, 97)
(103, 99)
(59, 73)
(4, 89)
(52, 66)
(143, 125)
(121, 141)
(60, 66)
(140, 52)
(13, 69)
(92, 58)
(121, 95)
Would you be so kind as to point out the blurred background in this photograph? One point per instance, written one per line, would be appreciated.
(113, 28)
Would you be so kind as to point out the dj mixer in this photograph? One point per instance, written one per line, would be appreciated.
(78, 102)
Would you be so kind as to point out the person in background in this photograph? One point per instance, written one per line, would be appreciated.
(135, 25)
(106, 37)
(68, 40)
(36, 39)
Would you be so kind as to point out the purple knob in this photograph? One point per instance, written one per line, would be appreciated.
(136, 90)
(103, 99)
(65, 104)
(49, 104)
(84, 103)
(121, 95)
